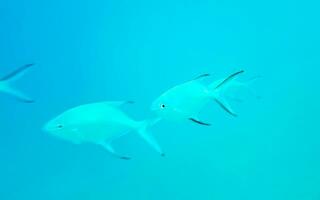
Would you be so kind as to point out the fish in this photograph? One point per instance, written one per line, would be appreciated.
(7, 81)
(100, 123)
(185, 101)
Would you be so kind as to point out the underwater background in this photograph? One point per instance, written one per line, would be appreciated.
(101, 50)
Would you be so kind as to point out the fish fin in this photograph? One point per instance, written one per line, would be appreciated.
(247, 84)
(216, 90)
(236, 99)
(199, 122)
(224, 105)
(201, 76)
(253, 80)
(148, 137)
(17, 94)
(16, 74)
(109, 148)
(228, 79)
(119, 103)
(8, 79)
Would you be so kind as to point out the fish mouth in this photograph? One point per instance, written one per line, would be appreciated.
(156, 111)
(48, 127)
(154, 107)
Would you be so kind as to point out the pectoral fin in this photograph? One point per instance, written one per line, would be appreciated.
(199, 122)
(110, 149)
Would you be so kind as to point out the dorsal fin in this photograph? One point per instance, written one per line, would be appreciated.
(201, 76)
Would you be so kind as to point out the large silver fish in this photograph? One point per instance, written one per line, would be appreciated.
(100, 123)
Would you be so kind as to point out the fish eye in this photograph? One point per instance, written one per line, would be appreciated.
(59, 126)
(162, 106)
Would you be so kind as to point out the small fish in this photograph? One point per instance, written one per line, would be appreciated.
(100, 123)
(185, 101)
(6, 84)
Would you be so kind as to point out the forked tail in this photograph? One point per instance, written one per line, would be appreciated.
(147, 136)
(6, 81)
(219, 98)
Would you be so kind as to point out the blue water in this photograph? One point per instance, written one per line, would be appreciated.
(87, 51)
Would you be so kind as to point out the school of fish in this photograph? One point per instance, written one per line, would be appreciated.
(101, 123)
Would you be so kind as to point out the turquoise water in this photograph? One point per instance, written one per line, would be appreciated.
(87, 51)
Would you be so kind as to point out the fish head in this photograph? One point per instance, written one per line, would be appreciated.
(61, 127)
(167, 107)
(182, 101)
(55, 126)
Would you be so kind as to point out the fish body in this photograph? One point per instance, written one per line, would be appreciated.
(98, 123)
(182, 101)
(185, 101)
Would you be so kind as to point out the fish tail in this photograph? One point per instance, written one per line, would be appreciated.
(147, 136)
(248, 86)
(215, 92)
(11, 77)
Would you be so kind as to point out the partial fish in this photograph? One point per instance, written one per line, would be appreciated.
(6, 84)
(185, 101)
(231, 89)
(100, 123)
